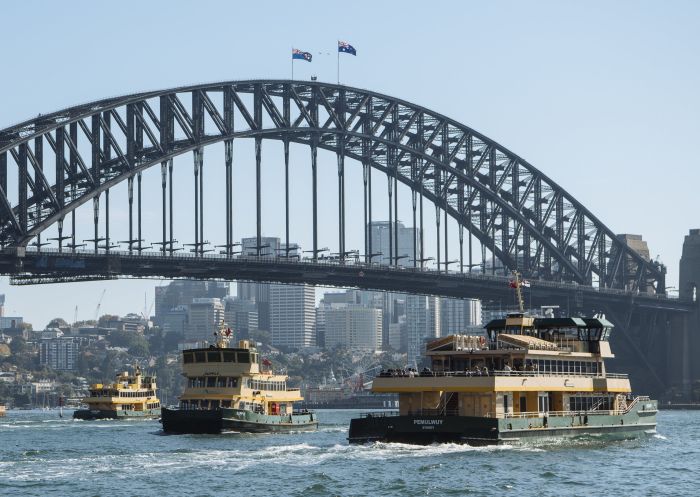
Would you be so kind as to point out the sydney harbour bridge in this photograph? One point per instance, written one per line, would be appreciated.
(506, 215)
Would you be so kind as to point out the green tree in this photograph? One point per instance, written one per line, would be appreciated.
(57, 323)
(18, 346)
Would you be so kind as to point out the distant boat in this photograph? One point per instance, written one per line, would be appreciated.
(130, 396)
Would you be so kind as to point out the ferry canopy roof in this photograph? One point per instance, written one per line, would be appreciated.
(554, 323)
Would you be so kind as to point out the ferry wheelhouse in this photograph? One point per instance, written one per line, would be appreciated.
(130, 396)
(529, 377)
(231, 389)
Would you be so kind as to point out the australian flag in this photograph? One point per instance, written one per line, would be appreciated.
(298, 54)
(345, 47)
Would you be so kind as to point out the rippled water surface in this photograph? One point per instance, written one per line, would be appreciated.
(41, 454)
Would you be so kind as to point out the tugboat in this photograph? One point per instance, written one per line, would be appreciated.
(230, 389)
(130, 396)
(528, 378)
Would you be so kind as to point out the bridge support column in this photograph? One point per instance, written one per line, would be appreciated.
(314, 194)
(130, 193)
(341, 203)
(391, 221)
(107, 242)
(200, 157)
(437, 232)
(139, 212)
(414, 202)
(683, 350)
(258, 195)
(228, 153)
(96, 220)
(164, 185)
(170, 199)
(196, 201)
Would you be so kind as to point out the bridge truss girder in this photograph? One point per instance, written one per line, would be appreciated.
(527, 221)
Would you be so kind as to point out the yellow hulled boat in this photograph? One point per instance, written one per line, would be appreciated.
(130, 396)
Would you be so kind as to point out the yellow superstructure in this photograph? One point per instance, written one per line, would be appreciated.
(130, 394)
(525, 366)
(228, 377)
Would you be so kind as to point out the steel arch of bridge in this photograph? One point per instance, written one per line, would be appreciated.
(525, 219)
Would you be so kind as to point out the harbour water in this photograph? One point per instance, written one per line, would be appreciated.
(41, 454)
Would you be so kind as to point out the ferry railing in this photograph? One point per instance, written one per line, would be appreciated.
(538, 414)
(379, 414)
(499, 372)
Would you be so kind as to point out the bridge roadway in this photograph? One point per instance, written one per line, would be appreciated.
(52, 266)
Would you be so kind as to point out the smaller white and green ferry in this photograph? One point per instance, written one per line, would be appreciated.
(232, 389)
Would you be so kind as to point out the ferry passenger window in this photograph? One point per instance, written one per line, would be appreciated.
(188, 357)
(213, 356)
(244, 357)
(211, 381)
(221, 382)
(199, 356)
(232, 382)
(229, 357)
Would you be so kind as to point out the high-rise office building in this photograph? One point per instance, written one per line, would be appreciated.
(242, 316)
(422, 323)
(292, 315)
(401, 249)
(175, 320)
(353, 326)
(259, 292)
(206, 315)
(457, 316)
(182, 292)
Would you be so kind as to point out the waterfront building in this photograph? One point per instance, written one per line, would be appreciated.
(292, 316)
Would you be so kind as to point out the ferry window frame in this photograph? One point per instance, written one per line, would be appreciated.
(221, 382)
(211, 382)
(229, 356)
(200, 356)
(243, 357)
(187, 357)
(215, 354)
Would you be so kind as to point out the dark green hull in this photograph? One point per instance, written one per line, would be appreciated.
(87, 414)
(223, 419)
(418, 429)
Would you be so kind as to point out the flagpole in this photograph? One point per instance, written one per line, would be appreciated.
(292, 63)
(337, 65)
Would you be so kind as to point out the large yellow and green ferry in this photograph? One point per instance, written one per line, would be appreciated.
(527, 378)
(130, 396)
(232, 389)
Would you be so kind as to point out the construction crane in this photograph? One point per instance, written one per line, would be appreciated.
(99, 304)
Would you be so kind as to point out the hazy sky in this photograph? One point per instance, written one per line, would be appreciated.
(601, 96)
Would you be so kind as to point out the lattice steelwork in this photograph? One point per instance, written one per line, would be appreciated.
(518, 214)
